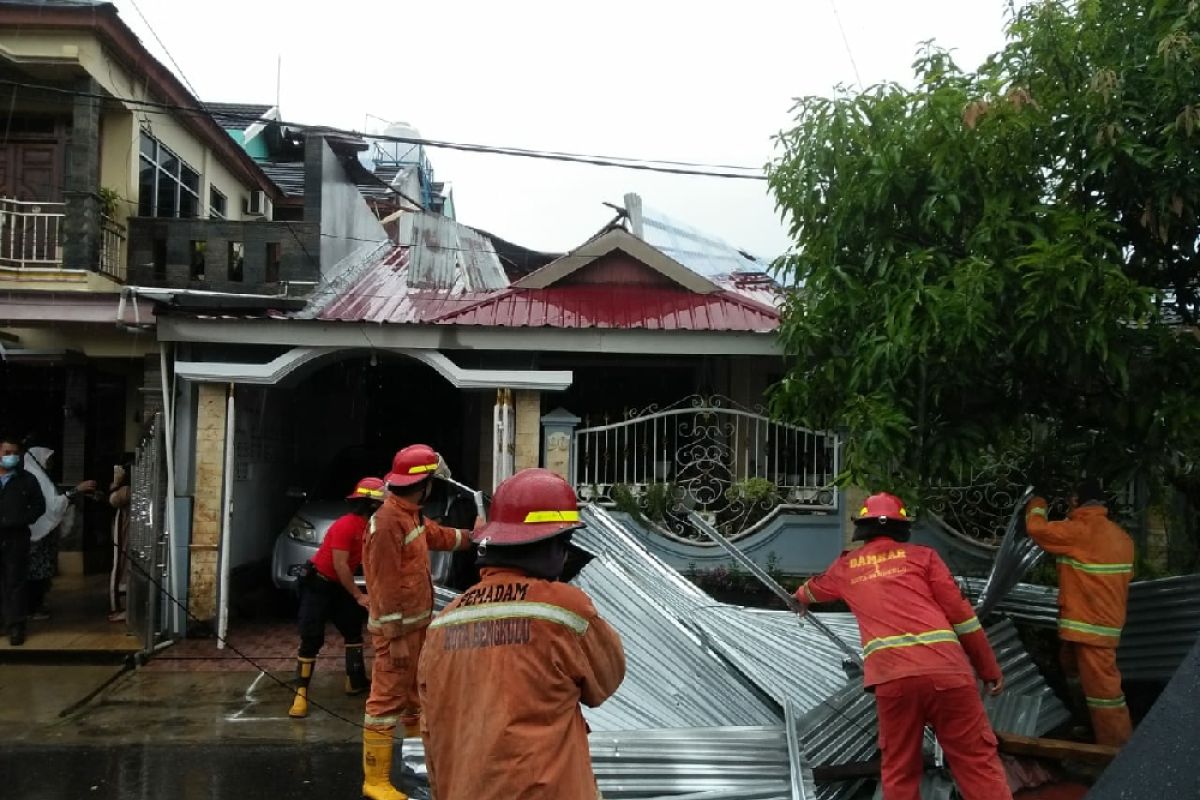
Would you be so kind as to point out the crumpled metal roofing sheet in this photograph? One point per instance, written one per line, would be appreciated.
(789, 660)
(1162, 624)
(671, 680)
(701, 763)
(711, 763)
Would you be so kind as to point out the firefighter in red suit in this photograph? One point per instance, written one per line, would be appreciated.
(328, 593)
(922, 650)
(400, 592)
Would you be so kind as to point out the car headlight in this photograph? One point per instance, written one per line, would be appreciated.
(302, 531)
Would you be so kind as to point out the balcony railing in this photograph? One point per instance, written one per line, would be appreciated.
(112, 249)
(31, 234)
(31, 238)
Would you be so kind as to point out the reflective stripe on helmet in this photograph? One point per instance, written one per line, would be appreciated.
(421, 469)
(376, 493)
(552, 516)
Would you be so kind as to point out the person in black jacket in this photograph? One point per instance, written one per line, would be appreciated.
(21, 503)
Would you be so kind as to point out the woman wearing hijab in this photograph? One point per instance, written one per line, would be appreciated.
(44, 534)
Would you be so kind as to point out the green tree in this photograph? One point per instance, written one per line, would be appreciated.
(1006, 255)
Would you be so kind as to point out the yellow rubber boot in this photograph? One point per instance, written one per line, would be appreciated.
(377, 766)
(304, 671)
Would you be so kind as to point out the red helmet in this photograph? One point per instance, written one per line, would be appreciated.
(412, 465)
(883, 507)
(368, 489)
(532, 505)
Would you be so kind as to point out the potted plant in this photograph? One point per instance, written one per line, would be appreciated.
(109, 202)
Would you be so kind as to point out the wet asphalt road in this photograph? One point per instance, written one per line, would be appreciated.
(186, 772)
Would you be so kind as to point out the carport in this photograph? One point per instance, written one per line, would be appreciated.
(262, 437)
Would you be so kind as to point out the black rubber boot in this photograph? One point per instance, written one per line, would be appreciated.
(357, 681)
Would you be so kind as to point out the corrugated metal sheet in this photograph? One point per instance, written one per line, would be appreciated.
(700, 252)
(380, 292)
(716, 763)
(447, 256)
(1022, 679)
(1162, 624)
(619, 307)
(671, 680)
(661, 616)
(708, 763)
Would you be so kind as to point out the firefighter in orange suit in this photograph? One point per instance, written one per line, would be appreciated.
(400, 591)
(1095, 565)
(507, 664)
(922, 650)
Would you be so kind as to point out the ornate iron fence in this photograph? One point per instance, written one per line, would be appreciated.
(147, 546)
(732, 464)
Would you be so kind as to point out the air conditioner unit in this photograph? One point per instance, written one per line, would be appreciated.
(258, 205)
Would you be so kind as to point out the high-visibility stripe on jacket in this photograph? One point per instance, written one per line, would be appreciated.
(911, 615)
(1095, 566)
(396, 566)
(502, 675)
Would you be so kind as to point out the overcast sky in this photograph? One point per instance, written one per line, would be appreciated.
(693, 81)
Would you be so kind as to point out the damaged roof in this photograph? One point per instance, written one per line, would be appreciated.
(445, 273)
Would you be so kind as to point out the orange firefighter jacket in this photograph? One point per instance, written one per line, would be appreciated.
(501, 677)
(911, 615)
(1095, 566)
(396, 566)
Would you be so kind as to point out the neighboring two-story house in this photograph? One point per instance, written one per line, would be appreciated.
(114, 176)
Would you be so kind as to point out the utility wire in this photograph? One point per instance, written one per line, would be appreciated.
(619, 162)
(174, 63)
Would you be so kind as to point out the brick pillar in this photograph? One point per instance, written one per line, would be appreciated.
(528, 409)
(852, 500)
(81, 184)
(208, 495)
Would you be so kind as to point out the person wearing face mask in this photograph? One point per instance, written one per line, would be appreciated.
(400, 594)
(508, 663)
(21, 503)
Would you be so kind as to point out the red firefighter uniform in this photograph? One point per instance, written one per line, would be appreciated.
(922, 649)
(502, 676)
(396, 566)
(1095, 566)
(508, 663)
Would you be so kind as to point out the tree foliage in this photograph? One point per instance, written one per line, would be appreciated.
(1004, 256)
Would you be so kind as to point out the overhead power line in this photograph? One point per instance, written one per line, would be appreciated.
(619, 162)
(174, 63)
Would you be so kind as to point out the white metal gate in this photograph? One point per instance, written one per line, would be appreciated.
(147, 547)
(733, 464)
